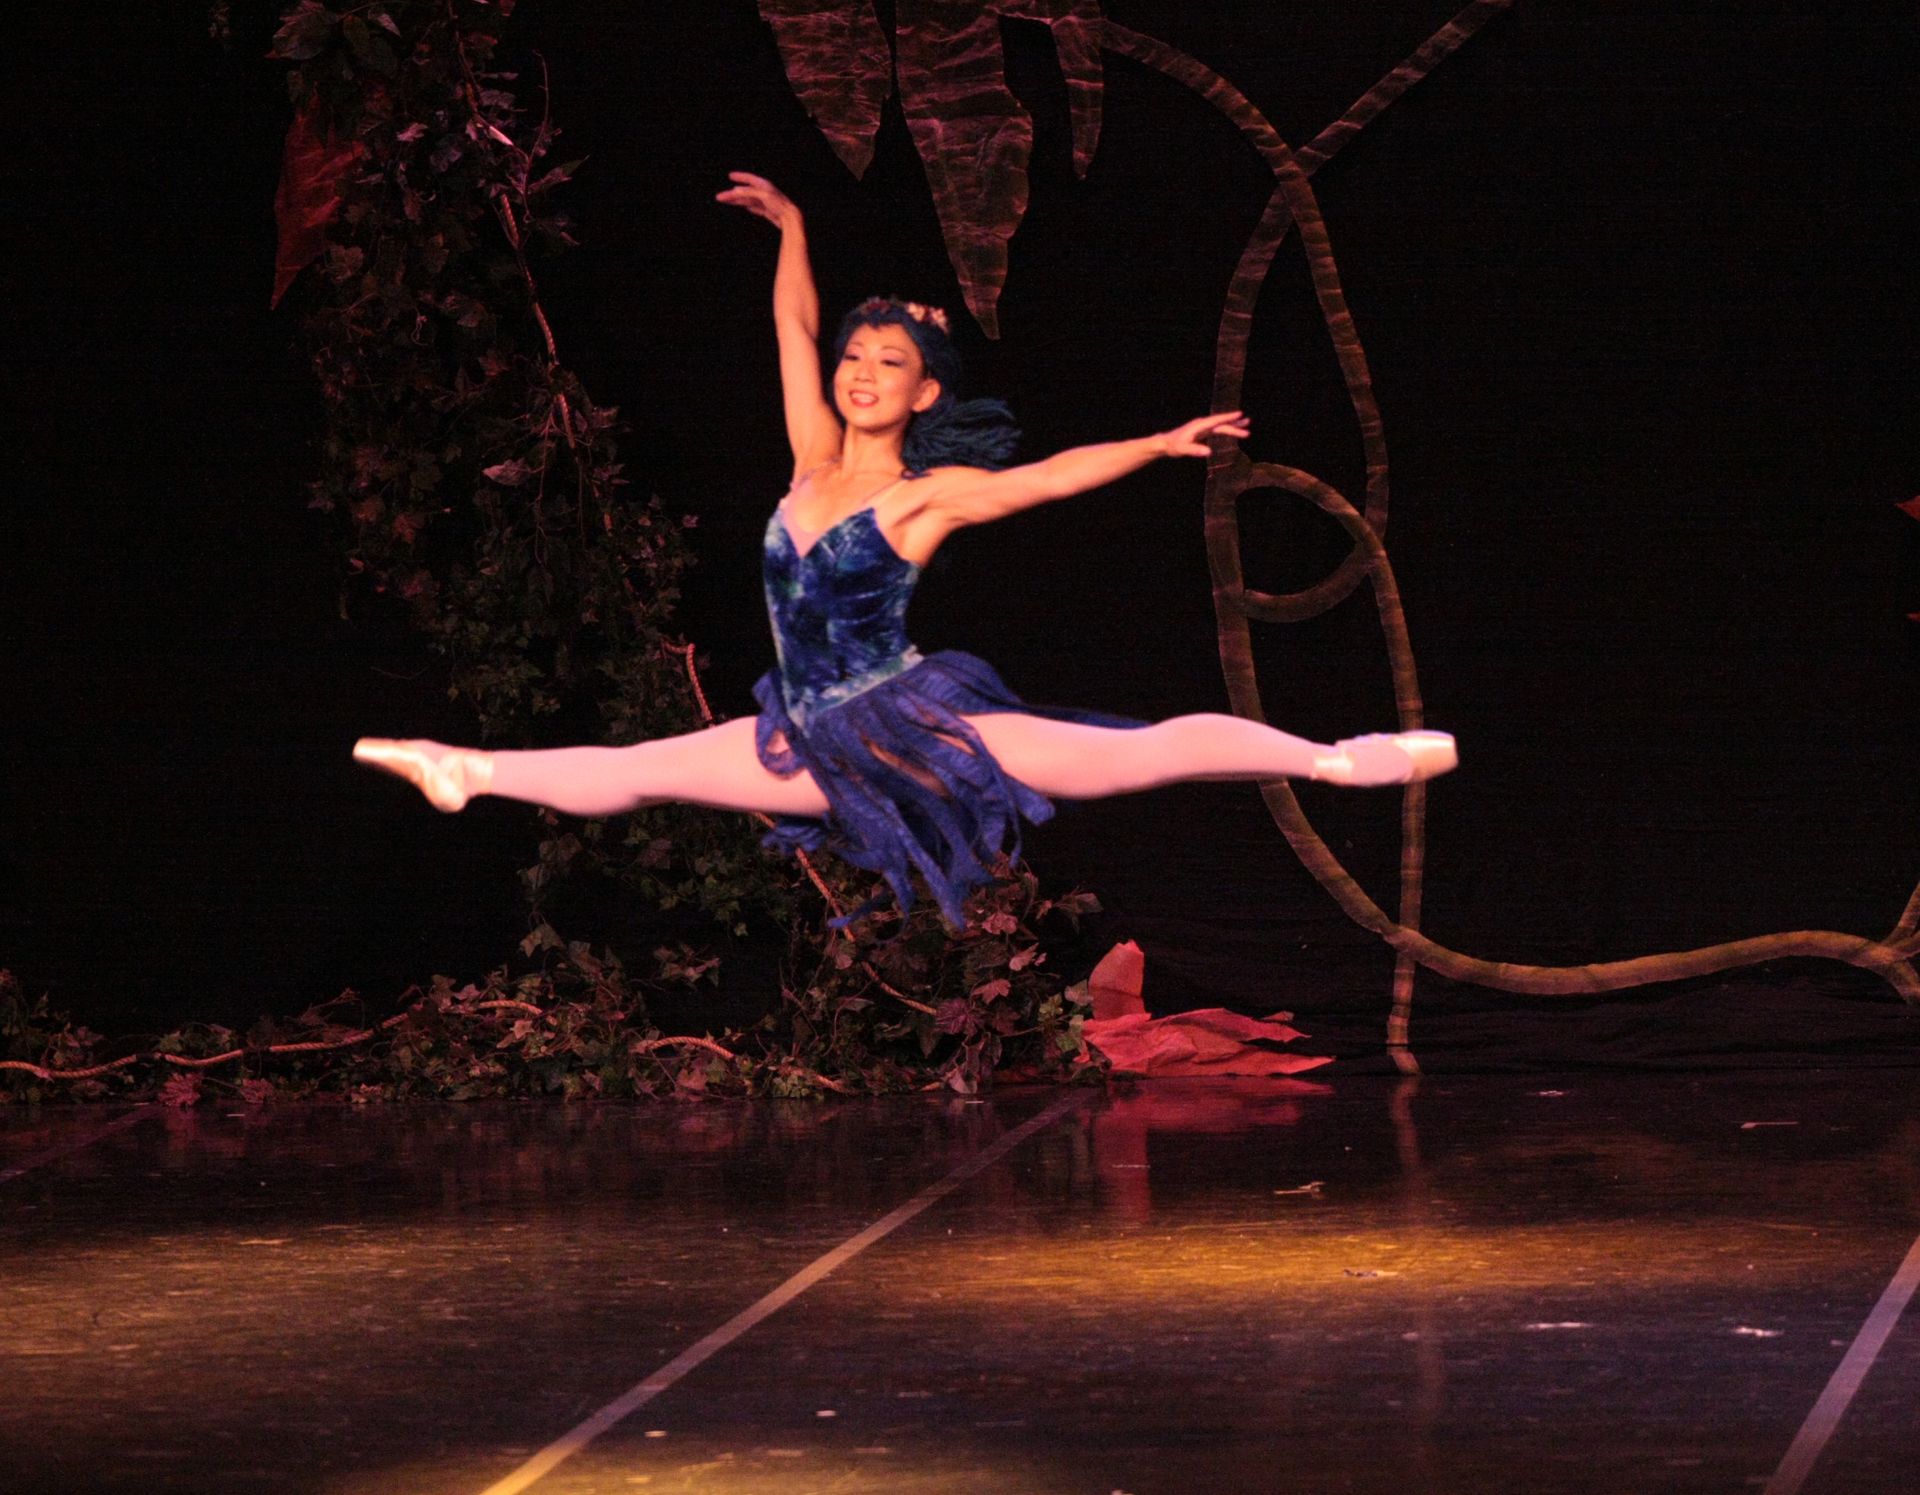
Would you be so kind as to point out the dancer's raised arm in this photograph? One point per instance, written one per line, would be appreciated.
(813, 430)
(973, 495)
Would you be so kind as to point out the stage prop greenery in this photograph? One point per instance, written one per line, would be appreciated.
(926, 1009)
(479, 483)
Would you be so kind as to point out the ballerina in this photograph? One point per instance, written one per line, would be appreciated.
(895, 761)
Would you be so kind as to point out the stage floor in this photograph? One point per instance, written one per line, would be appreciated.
(1593, 1282)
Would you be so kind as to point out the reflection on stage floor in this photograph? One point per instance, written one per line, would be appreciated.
(1595, 1282)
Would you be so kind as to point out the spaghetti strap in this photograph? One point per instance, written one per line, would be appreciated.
(807, 476)
(874, 498)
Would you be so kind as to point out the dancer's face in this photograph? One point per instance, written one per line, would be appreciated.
(881, 380)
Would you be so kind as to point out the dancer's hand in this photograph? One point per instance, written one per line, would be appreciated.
(760, 197)
(1190, 440)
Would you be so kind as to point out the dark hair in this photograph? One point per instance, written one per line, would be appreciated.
(951, 432)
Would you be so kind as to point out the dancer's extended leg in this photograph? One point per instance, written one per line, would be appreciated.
(1075, 761)
(720, 768)
(717, 767)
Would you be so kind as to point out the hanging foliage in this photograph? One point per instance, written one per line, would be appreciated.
(973, 135)
(480, 486)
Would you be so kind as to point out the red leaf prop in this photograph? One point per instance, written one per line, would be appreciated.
(1116, 983)
(1210, 1041)
(309, 193)
(837, 61)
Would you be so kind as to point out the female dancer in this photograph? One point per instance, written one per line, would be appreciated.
(894, 761)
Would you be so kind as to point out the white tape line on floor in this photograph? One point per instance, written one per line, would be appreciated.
(1853, 1368)
(615, 1411)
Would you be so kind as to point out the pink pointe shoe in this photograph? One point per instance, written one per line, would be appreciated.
(449, 777)
(1387, 758)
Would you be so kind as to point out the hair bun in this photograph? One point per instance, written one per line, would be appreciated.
(961, 433)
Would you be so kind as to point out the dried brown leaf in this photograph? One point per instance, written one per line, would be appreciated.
(836, 59)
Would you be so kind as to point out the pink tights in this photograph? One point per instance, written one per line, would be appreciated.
(1066, 760)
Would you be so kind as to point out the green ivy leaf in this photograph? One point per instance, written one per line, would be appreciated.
(305, 32)
(542, 938)
(369, 49)
(509, 474)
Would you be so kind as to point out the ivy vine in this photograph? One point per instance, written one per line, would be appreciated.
(481, 486)
(482, 501)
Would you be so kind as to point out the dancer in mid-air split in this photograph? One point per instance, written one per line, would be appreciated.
(895, 761)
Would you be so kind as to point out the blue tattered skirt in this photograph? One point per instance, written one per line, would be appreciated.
(910, 786)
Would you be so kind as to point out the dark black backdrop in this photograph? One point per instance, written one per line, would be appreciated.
(1634, 284)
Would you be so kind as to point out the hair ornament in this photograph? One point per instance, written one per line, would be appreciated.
(919, 311)
(931, 314)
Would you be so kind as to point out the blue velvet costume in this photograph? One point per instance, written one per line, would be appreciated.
(849, 683)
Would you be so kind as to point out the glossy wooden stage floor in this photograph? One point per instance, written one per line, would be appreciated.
(1600, 1282)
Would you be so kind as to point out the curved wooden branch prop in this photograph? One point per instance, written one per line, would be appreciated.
(1421, 61)
(1293, 202)
(182, 1061)
(1891, 958)
(1906, 930)
(1231, 474)
(683, 1041)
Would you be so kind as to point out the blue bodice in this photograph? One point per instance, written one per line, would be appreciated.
(886, 735)
(839, 611)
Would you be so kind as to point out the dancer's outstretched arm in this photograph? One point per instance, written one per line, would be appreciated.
(813, 430)
(975, 495)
